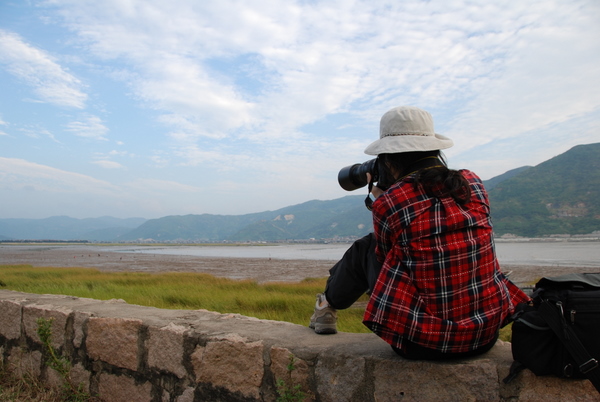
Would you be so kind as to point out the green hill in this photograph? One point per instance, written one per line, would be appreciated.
(559, 196)
(342, 217)
(494, 181)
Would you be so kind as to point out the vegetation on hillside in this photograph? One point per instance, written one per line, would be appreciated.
(561, 195)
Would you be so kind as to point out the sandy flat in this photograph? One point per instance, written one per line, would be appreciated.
(259, 269)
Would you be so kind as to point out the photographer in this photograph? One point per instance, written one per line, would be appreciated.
(435, 285)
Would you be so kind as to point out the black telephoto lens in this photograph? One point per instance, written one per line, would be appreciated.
(355, 176)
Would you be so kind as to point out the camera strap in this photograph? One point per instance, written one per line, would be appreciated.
(370, 198)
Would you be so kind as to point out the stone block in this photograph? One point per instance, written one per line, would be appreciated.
(24, 363)
(54, 379)
(531, 388)
(232, 364)
(114, 341)
(165, 349)
(464, 380)
(58, 315)
(79, 319)
(116, 388)
(186, 396)
(10, 319)
(80, 377)
(340, 377)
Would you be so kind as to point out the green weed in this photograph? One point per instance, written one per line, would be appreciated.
(70, 391)
(286, 390)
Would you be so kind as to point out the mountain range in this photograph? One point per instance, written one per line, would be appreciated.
(559, 196)
(66, 228)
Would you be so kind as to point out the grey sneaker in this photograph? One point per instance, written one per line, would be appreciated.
(324, 319)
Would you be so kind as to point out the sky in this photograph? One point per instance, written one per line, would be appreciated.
(151, 108)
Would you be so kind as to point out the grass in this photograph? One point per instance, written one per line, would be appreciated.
(21, 388)
(291, 302)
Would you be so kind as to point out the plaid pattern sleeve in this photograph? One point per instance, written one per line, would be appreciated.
(440, 286)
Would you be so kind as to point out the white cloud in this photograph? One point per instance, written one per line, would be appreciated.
(161, 186)
(530, 148)
(194, 62)
(16, 174)
(114, 152)
(3, 123)
(88, 126)
(550, 75)
(35, 131)
(106, 164)
(51, 82)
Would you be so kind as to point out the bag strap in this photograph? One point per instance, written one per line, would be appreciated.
(571, 281)
(555, 318)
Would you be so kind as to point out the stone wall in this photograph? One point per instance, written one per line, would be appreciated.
(123, 352)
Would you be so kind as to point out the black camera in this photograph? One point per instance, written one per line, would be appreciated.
(355, 176)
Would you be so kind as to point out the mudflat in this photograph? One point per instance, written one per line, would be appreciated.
(258, 269)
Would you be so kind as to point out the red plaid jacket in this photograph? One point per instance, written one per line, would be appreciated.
(440, 286)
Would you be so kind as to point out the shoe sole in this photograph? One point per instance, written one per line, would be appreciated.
(324, 329)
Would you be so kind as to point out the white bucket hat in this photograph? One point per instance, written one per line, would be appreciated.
(407, 129)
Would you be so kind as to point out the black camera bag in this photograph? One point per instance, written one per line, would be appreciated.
(559, 334)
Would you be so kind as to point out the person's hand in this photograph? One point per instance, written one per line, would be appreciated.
(376, 191)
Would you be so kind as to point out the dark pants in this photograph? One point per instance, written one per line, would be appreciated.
(414, 351)
(356, 274)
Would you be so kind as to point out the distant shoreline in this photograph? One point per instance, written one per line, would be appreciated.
(578, 238)
(503, 239)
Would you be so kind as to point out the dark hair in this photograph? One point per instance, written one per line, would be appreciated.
(431, 172)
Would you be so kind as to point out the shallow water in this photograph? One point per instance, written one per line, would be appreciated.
(559, 253)
(563, 253)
